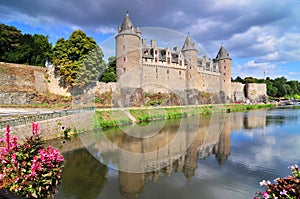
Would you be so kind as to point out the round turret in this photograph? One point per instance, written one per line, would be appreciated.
(128, 47)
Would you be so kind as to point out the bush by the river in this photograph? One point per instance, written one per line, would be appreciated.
(29, 169)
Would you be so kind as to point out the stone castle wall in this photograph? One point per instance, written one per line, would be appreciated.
(256, 92)
(252, 91)
(19, 84)
(17, 77)
(54, 84)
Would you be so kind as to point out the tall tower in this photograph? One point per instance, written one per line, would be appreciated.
(190, 54)
(224, 61)
(128, 47)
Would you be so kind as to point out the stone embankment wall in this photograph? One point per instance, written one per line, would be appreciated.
(51, 128)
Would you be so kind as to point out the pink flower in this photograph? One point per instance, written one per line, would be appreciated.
(35, 128)
(7, 135)
(265, 195)
(284, 192)
(8, 129)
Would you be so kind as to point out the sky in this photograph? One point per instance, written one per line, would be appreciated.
(260, 35)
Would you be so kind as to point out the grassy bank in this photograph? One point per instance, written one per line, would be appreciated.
(115, 117)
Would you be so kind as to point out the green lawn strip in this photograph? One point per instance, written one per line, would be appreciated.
(110, 118)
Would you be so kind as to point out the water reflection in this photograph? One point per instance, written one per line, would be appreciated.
(84, 176)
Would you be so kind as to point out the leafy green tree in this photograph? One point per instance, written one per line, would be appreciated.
(109, 75)
(250, 80)
(9, 43)
(41, 50)
(239, 79)
(16, 47)
(280, 83)
(78, 60)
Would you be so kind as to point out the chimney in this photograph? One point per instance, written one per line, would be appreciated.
(153, 43)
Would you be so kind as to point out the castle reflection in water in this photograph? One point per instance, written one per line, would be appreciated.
(177, 145)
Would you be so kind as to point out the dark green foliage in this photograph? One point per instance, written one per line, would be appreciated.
(78, 60)
(279, 87)
(109, 75)
(16, 47)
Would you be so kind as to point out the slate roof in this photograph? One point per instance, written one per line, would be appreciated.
(188, 44)
(127, 23)
(223, 54)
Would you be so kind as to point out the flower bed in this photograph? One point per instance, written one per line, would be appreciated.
(282, 188)
(29, 169)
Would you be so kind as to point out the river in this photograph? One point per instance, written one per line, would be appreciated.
(210, 157)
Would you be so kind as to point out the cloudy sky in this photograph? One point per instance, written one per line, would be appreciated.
(260, 35)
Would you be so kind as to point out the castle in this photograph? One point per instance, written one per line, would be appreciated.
(157, 69)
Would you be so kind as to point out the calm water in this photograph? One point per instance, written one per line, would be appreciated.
(220, 156)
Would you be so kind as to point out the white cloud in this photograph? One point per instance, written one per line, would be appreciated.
(255, 65)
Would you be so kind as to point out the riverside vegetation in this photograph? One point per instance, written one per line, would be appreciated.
(117, 117)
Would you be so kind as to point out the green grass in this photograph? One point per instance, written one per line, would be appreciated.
(112, 118)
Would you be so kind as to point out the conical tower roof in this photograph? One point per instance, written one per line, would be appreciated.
(188, 44)
(127, 23)
(223, 54)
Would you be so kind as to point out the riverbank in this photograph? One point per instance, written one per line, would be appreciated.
(105, 118)
(61, 125)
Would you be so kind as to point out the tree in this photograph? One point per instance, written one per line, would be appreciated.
(16, 47)
(239, 79)
(9, 43)
(250, 80)
(78, 60)
(109, 75)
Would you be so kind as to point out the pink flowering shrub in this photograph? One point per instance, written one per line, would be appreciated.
(287, 187)
(29, 169)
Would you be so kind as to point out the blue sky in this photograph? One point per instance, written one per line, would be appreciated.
(260, 35)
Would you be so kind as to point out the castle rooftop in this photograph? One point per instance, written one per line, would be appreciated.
(188, 44)
(223, 54)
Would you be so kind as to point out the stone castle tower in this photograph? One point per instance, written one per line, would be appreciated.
(224, 61)
(128, 47)
(190, 54)
(174, 69)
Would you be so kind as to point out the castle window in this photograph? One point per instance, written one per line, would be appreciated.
(146, 52)
(224, 74)
(224, 67)
(156, 52)
(155, 59)
(124, 70)
(169, 60)
(124, 59)
(180, 62)
(179, 72)
(167, 71)
(190, 67)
